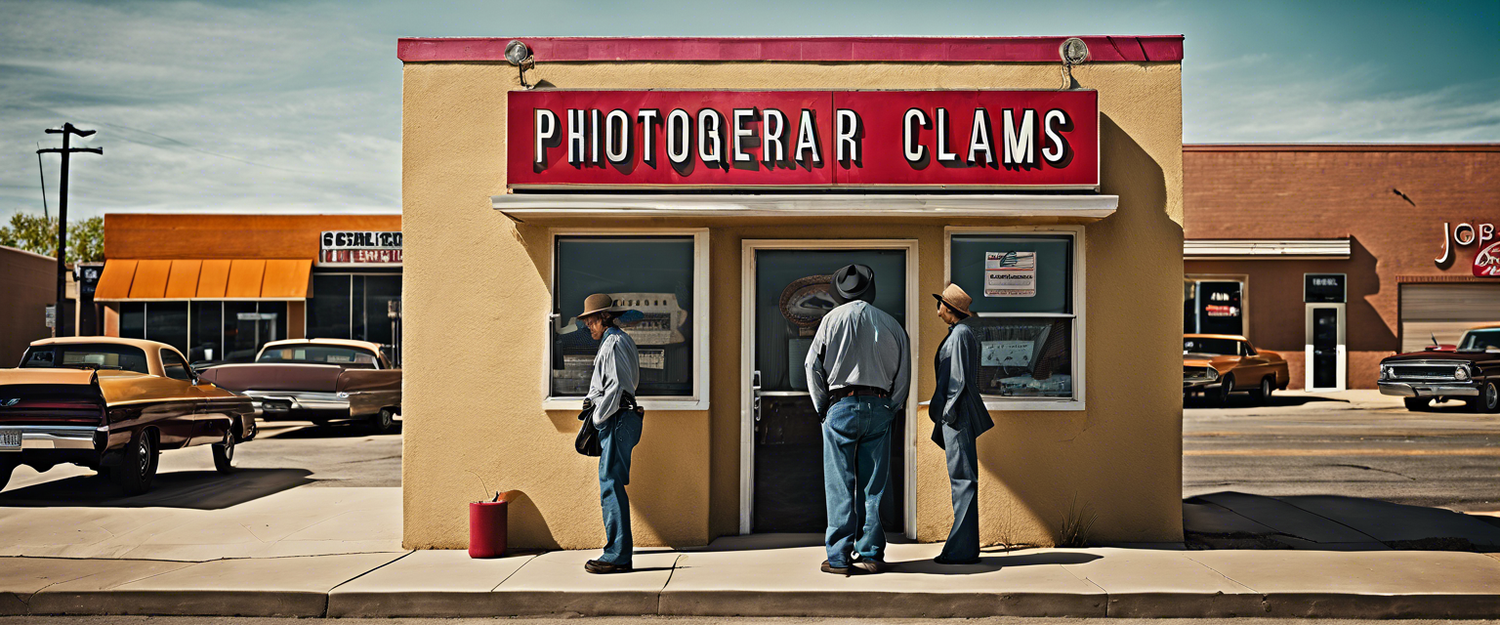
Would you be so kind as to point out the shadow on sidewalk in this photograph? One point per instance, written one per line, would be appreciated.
(988, 563)
(1244, 400)
(1231, 520)
(351, 429)
(197, 490)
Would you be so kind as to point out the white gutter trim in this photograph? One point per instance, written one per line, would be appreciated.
(1265, 249)
(810, 205)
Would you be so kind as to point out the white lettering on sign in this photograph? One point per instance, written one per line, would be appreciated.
(1463, 235)
(360, 247)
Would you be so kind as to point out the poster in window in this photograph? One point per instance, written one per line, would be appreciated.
(1010, 274)
(1005, 353)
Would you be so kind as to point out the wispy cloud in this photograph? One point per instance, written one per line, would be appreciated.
(200, 107)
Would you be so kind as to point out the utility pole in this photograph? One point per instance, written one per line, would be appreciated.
(59, 324)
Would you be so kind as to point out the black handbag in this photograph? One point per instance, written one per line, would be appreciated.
(587, 442)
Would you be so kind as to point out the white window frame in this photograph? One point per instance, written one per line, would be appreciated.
(1077, 345)
(698, 400)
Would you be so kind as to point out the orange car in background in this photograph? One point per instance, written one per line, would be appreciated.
(1219, 364)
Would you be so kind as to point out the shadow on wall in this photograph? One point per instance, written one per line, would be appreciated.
(1367, 331)
(1107, 467)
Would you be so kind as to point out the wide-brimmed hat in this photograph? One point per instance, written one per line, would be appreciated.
(597, 303)
(955, 297)
(854, 282)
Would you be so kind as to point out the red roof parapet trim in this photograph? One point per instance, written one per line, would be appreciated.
(1102, 49)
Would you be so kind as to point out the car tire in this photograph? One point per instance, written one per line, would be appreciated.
(224, 453)
(384, 421)
(135, 474)
(1489, 399)
(1262, 393)
(1225, 388)
(1418, 404)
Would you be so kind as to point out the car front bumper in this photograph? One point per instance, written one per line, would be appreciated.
(1199, 386)
(1428, 389)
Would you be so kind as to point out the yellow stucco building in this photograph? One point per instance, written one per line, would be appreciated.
(518, 202)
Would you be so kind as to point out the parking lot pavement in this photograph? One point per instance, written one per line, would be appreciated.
(1353, 443)
(298, 490)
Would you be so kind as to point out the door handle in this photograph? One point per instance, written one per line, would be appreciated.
(755, 394)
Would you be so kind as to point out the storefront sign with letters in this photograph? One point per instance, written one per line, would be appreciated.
(360, 248)
(803, 139)
(1481, 235)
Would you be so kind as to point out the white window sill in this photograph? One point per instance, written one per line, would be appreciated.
(649, 403)
(1028, 405)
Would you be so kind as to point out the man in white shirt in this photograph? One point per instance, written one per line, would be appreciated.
(858, 373)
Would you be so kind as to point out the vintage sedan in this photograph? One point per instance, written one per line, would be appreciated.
(1219, 364)
(1469, 372)
(112, 405)
(318, 380)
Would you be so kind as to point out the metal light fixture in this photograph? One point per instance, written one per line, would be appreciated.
(519, 55)
(1073, 51)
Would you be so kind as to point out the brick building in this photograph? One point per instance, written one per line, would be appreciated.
(1339, 255)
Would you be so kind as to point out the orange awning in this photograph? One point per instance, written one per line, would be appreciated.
(216, 279)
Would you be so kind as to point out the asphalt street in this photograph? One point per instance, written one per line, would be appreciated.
(284, 455)
(1356, 444)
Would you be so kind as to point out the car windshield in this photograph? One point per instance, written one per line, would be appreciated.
(1214, 347)
(319, 354)
(86, 356)
(1479, 340)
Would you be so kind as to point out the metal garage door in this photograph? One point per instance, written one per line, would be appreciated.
(1445, 310)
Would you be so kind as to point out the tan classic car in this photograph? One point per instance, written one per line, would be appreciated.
(112, 405)
(1219, 364)
(319, 380)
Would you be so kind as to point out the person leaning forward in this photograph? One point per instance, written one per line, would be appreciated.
(858, 373)
(958, 417)
(612, 399)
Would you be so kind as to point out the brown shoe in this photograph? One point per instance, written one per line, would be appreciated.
(600, 567)
(837, 570)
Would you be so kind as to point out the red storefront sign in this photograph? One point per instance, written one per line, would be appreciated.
(1015, 139)
(1487, 261)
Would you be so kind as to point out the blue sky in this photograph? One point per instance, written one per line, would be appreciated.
(270, 105)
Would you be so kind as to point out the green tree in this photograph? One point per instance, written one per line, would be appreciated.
(39, 234)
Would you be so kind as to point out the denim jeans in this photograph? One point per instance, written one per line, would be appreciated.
(856, 469)
(963, 475)
(617, 437)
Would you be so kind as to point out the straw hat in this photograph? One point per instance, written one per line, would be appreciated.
(597, 303)
(955, 297)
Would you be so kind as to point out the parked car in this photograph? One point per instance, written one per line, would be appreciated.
(1216, 365)
(1470, 372)
(318, 380)
(112, 405)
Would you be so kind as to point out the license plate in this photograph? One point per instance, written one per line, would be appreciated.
(10, 439)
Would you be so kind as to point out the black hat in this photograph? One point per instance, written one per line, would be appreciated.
(854, 282)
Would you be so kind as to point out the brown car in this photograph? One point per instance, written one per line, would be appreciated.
(1219, 364)
(112, 405)
(318, 380)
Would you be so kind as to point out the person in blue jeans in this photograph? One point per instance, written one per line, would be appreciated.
(611, 396)
(858, 374)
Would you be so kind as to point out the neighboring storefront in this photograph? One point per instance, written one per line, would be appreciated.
(219, 286)
(1337, 256)
(710, 186)
(29, 282)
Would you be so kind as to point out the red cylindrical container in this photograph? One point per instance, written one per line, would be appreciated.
(487, 529)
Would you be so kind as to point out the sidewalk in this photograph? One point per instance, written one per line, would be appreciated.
(745, 576)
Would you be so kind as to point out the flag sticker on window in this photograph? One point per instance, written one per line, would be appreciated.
(1010, 274)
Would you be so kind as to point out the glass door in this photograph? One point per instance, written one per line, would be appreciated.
(791, 296)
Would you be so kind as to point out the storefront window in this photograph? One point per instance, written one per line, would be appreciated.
(653, 278)
(1024, 316)
(1213, 305)
(133, 320)
(354, 306)
(248, 325)
(167, 322)
(208, 332)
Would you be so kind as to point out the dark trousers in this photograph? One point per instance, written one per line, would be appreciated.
(617, 437)
(963, 476)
